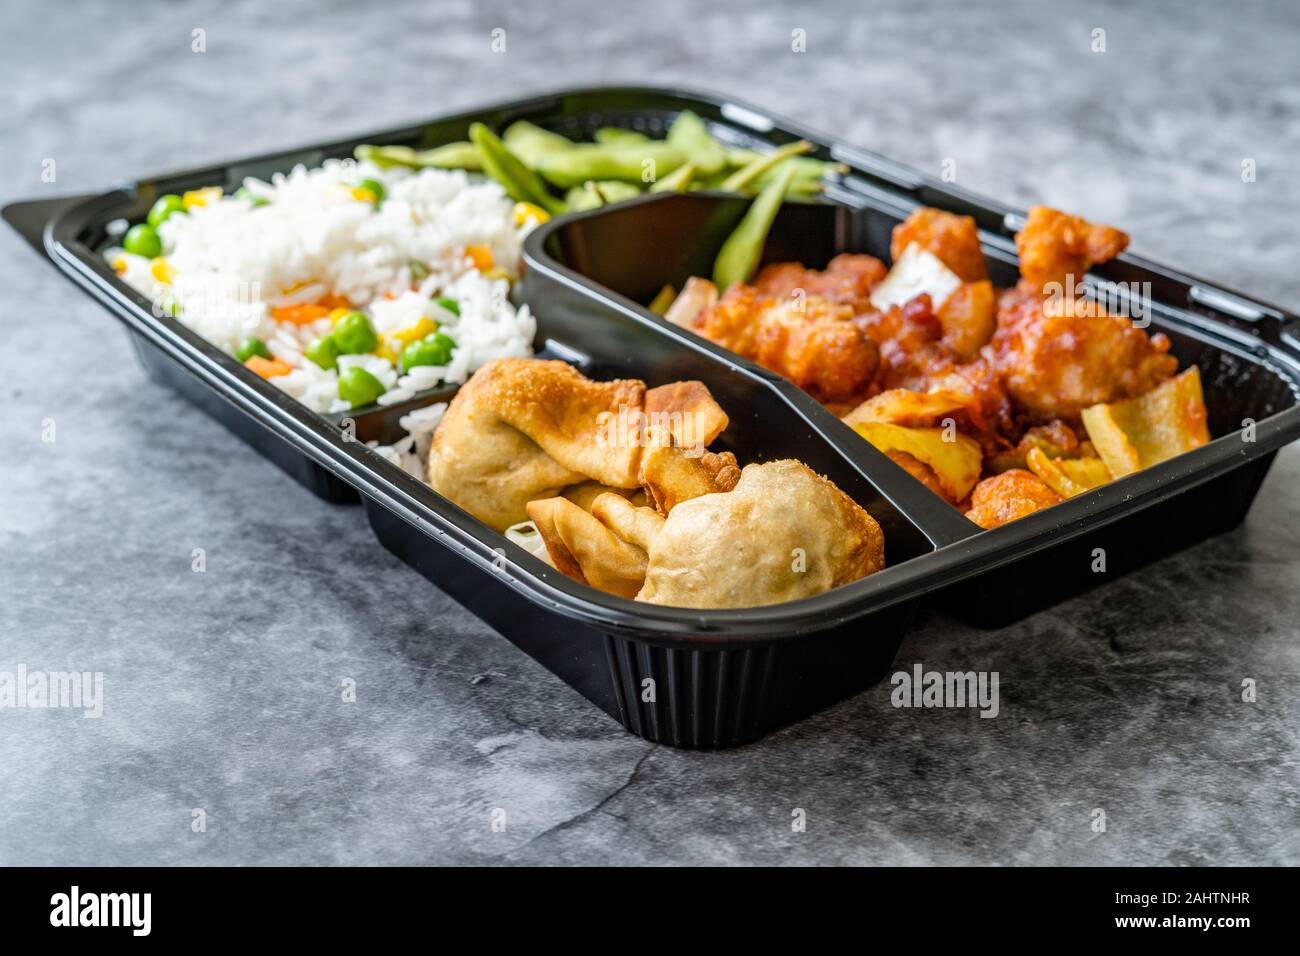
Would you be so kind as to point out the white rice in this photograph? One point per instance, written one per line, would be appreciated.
(411, 454)
(227, 263)
(412, 450)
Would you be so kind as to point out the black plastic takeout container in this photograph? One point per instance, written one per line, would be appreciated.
(720, 678)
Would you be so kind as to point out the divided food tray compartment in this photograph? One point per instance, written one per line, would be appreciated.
(617, 259)
(576, 113)
(724, 677)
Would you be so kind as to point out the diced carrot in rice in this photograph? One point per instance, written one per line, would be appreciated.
(481, 256)
(268, 368)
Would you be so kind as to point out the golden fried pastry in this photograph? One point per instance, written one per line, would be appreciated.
(1008, 497)
(605, 547)
(682, 414)
(953, 239)
(636, 524)
(524, 429)
(528, 439)
(582, 547)
(782, 533)
(1058, 356)
(671, 475)
(1056, 248)
(584, 494)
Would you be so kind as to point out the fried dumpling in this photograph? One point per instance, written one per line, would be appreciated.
(525, 429)
(522, 429)
(584, 494)
(671, 474)
(604, 547)
(782, 533)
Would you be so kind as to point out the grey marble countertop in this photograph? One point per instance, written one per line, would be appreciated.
(222, 689)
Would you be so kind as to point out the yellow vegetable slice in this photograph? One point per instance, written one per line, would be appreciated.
(201, 197)
(162, 271)
(524, 211)
(955, 463)
(902, 406)
(1111, 443)
(663, 299)
(1144, 431)
(1087, 472)
(413, 333)
(1068, 476)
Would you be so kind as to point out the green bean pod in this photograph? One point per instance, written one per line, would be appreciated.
(689, 134)
(738, 156)
(742, 178)
(520, 182)
(531, 143)
(803, 188)
(616, 134)
(593, 195)
(450, 156)
(678, 181)
(600, 161)
(807, 169)
(580, 199)
(743, 249)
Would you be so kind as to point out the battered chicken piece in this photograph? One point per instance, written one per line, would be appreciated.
(794, 321)
(847, 280)
(913, 356)
(781, 534)
(910, 342)
(953, 239)
(809, 339)
(1058, 356)
(1054, 246)
(1008, 497)
(817, 348)
(524, 429)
